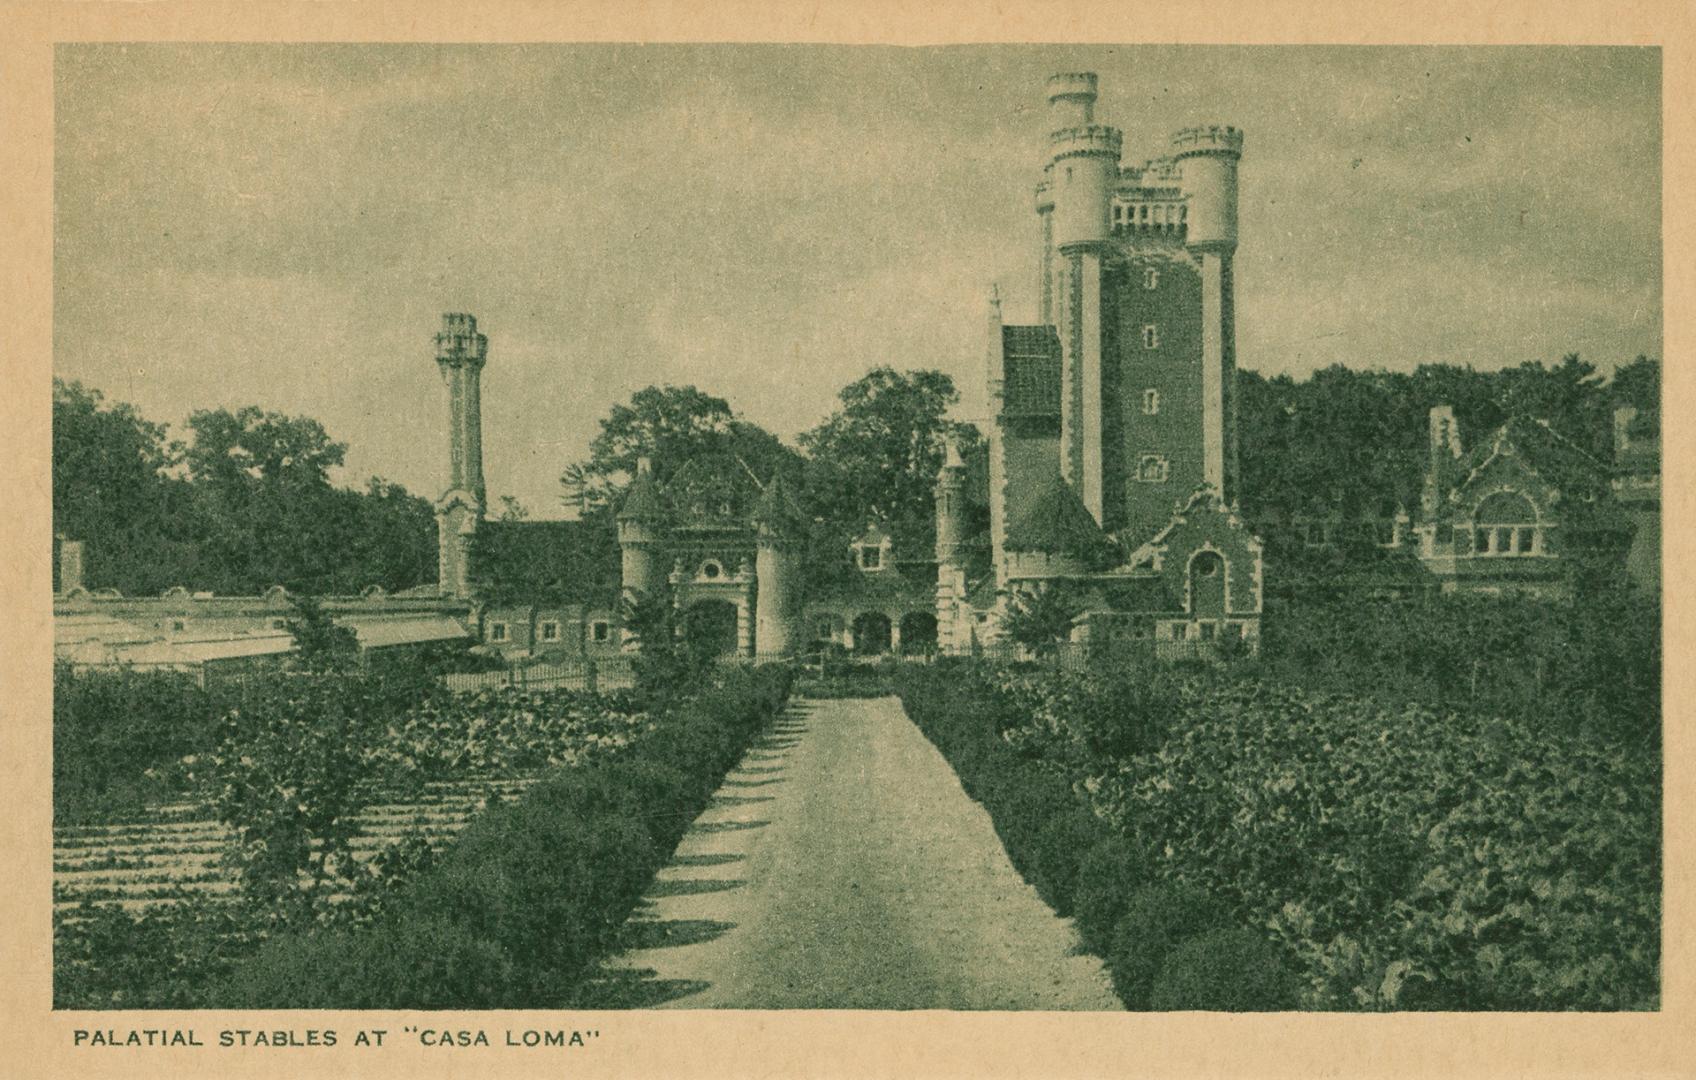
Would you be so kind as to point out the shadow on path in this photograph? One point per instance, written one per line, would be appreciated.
(693, 886)
(633, 988)
(726, 826)
(707, 860)
(671, 933)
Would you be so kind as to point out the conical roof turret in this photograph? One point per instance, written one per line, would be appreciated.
(777, 515)
(642, 501)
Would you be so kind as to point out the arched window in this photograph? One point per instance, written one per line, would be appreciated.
(1506, 524)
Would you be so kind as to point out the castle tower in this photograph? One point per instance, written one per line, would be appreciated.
(460, 355)
(951, 549)
(1135, 277)
(1207, 158)
(777, 571)
(1082, 173)
(641, 532)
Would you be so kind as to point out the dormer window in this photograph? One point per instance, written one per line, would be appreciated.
(871, 557)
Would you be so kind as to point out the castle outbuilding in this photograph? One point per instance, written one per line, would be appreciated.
(1113, 444)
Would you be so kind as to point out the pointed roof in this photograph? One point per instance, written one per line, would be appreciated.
(1558, 460)
(1057, 522)
(777, 513)
(642, 500)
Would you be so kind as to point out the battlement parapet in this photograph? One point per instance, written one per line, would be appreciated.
(1207, 139)
(1072, 84)
(459, 342)
(1091, 139)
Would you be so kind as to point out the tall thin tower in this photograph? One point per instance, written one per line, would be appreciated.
(460, 355)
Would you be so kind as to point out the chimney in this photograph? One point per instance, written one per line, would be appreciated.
(1624, 417)
(1445, 432)
(70, 565)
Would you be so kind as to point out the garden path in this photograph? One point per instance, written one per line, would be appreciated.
(841, 866)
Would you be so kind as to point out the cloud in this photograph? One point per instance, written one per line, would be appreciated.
(283, 225)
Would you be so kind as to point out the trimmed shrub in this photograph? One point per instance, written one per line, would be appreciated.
(1233, 970)
(426, 963)
(1070, 833)
(1107, 875)
(533, 893)
(1157, 919)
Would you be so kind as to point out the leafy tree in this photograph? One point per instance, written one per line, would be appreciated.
(1040, 616)
(321, 644)
(112, 490)
(672, 426)
(668, 661)
(251, 445)
(877, 457)
(513, 510)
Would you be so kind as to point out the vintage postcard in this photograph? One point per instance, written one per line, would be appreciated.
(592, 547)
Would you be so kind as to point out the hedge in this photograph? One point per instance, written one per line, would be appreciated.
(533, 893)
(1079, 864)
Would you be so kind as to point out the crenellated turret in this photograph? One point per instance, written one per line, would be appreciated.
(1208, 157)
(460, 354)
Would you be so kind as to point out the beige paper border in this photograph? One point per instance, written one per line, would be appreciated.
(37, 1042)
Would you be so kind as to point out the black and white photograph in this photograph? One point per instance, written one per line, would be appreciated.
(991, 528)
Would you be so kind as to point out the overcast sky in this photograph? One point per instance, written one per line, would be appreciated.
(284, 225)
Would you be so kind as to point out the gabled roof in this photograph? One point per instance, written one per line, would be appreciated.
(1030, 371)
(1559, 461)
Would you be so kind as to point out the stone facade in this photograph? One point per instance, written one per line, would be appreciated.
(1505, 517)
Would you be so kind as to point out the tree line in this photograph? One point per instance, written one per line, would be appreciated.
(247, 501)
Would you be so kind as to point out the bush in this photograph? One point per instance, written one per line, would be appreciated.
(1107, 875)
(533, 893)
(1233, 970)
(117, 736)
(1156, 920)
(429, 963)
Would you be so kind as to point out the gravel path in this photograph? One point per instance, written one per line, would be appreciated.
(841, 866)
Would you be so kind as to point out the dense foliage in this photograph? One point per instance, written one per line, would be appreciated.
(288, 767)
(116, 736)
(1592, 667)
(533, 893)
(1351, 441)
(246, 504)
(1386, 857)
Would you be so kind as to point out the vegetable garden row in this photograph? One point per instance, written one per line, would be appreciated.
(1229, 842)
(316, 808)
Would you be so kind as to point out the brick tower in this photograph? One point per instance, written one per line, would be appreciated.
(460, 354)
(1135, 278)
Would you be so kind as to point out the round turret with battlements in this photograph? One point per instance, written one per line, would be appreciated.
(1208, 158)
